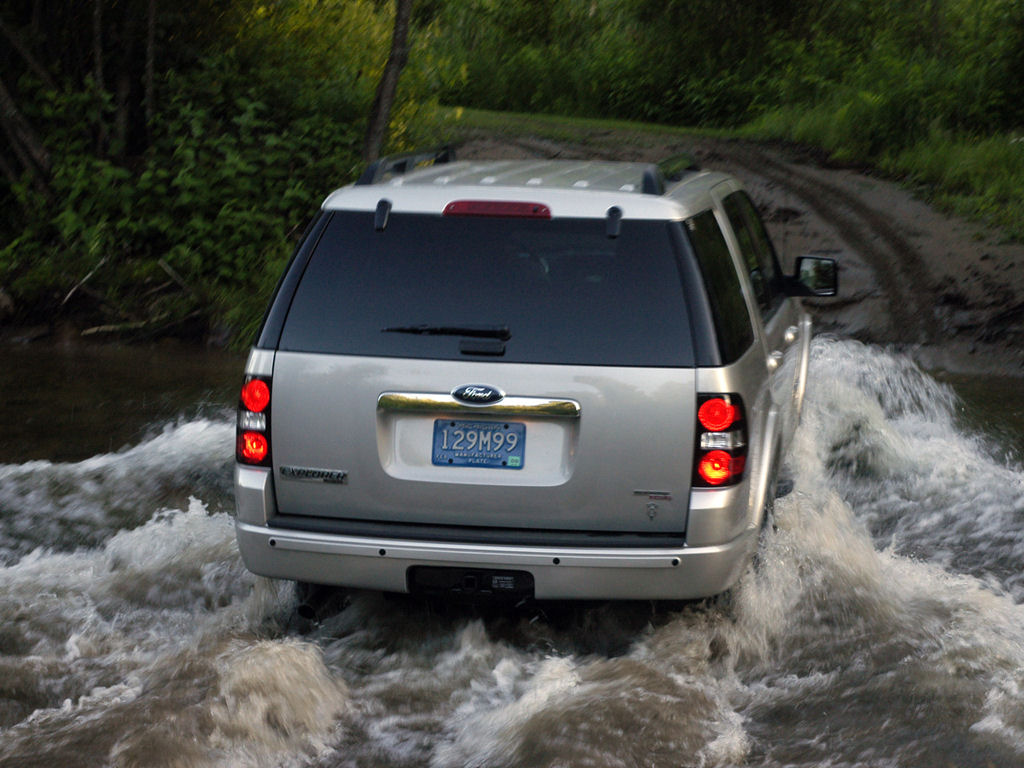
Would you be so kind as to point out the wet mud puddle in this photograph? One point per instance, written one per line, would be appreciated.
(884, 627)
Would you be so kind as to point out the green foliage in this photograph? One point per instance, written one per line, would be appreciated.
(865, 79)
(927, 91)
(260, 109)
(875, 79)
(245, 143)
(693, 62)
(982, 178)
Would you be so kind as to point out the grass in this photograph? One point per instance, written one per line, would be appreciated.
(455, 123)
(981, 179)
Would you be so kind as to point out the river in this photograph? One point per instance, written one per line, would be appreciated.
(884, 625)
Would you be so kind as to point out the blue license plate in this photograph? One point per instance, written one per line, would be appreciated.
(495, 444)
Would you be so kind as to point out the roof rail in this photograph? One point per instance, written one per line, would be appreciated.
(653, 181)
(397, 165)
(676, 167)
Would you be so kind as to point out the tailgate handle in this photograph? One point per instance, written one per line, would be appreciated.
(527, 407)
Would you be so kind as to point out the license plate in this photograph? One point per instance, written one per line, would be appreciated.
(493, 444)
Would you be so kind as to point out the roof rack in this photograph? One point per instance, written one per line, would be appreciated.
(396, 165)
(653, 182)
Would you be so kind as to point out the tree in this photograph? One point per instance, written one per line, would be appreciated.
(27, 147)
(25, 143)
(380, 113)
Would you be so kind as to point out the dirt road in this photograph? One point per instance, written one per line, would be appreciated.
(945, 290)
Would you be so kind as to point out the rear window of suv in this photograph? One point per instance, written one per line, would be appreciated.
(534, 291)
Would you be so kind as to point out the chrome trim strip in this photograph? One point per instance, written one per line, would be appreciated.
(423, 551)
(527, 407)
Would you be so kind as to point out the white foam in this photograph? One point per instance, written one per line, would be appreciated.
(67, 505)
(887, 438)
(887, 577)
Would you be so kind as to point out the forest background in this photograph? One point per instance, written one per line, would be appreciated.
(159, 160)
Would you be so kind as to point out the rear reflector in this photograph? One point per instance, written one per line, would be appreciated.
(498, 208)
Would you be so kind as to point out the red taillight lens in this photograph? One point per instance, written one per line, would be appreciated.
(256, 395)
(253, 428)
(716, 415)
(718, 467)
(721, 451)
(253, 447)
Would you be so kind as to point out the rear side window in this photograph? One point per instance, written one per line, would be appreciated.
(756, 249)
(732, 322)
(536, 291)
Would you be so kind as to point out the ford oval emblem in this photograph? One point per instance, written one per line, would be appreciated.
(477, 394)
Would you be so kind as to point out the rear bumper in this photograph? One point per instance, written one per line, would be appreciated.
(674, 572)
(578, 574)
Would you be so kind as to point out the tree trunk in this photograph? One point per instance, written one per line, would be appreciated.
(26, 145)
(148, 97)
(936, 25)
(119, 145)
(97, 43)
(8, 170)
(26, 54)
(21, 133)
(381, 111)
(97, 74)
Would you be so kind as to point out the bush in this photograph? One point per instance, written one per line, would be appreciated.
(245, 144)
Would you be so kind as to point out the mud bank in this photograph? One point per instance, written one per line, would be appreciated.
(947, 291)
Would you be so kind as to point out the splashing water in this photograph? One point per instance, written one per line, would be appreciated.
(882, 626)
(65, 506)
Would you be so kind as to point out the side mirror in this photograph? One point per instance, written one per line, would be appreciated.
(815, 276)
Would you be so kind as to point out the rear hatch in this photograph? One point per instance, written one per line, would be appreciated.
(487, 372)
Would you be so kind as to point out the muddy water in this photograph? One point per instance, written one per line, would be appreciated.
(884, 626)
(70, 404)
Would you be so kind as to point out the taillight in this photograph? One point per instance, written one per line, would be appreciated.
(721, 454)
(256, 395)
(252, 443)
(254, 447)
(716, 414)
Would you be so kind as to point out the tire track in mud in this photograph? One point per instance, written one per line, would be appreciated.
(901, 273)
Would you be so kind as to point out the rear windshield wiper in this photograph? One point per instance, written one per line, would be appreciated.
(472, 331)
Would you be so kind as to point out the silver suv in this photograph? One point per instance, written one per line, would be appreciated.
(549, 379)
